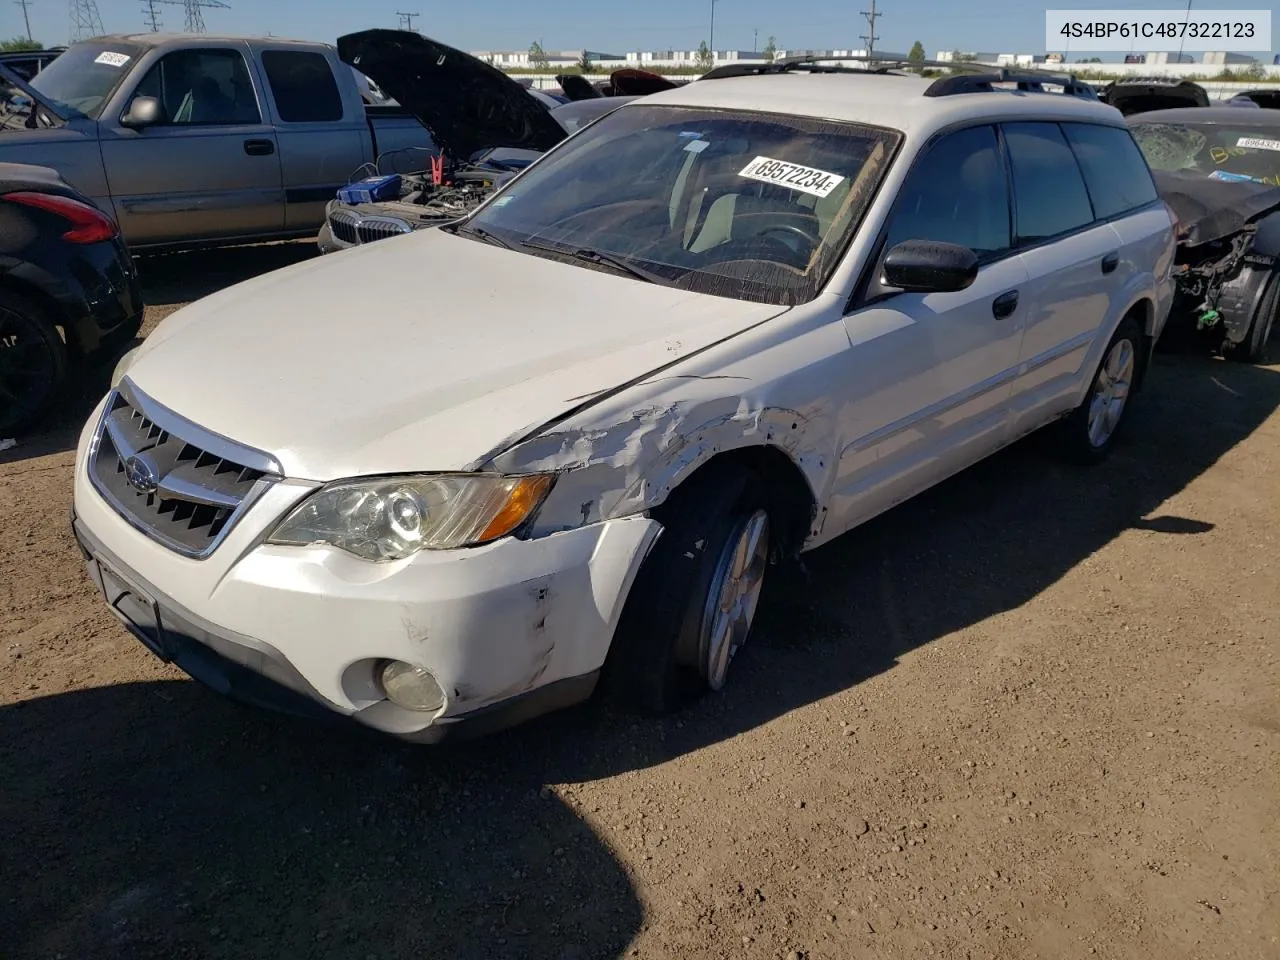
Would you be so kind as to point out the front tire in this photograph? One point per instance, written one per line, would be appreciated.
(33, 364)
(1253, 349)
(1089, 432)
(691, 608)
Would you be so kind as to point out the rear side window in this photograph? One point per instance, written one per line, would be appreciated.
(1114, 169)
(1049, 192)
(303, 86)
(957, 193)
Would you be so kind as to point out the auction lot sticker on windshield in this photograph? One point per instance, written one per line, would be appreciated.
(1258, 143)
(113, 59)
(808, 180)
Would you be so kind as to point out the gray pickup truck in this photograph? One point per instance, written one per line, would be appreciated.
(194, 139)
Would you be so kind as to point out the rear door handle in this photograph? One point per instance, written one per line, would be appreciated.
(1110, 262)
(1004, 305)
(259, 148)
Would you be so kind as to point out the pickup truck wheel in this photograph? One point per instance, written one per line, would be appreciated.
(1088, 432)
(1253, 349)
(33, 364)
(693, 603)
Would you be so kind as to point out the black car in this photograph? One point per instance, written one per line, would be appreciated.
(1218, 168)
(69, 293)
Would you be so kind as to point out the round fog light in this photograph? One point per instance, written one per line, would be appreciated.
(411, 687)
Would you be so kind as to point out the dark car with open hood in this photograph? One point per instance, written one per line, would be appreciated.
(486, 126)
(69, 294)
(1218, 168)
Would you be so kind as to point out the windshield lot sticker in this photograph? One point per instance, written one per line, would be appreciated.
(810, 180)
(1258, 143)
(113, 59)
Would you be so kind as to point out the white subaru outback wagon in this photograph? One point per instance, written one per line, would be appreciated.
(450, 480)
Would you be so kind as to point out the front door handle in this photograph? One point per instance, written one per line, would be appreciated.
(259, 148)
(1004, 305)
(1110, 262)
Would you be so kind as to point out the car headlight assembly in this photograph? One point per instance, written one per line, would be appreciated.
(392, 518)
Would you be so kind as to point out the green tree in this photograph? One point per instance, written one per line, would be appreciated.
(538, 56)
(704, 55)
(18, 44)
(771, 50)
(916, 54)
(584, 62)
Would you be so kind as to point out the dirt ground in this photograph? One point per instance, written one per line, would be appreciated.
(1035, 713)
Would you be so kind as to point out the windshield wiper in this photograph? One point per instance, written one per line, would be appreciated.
(587, 255)
(466, 230)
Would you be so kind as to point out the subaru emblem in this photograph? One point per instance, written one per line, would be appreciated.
(140, 474)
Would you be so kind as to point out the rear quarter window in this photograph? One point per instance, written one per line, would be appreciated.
(1114, 169)
(303, 86)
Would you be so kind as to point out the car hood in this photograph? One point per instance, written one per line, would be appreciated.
(1141, 96)
(418, 353)
(465, 103)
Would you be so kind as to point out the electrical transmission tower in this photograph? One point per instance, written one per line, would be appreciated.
(870, 35)
(406, 19)
(150, 15)
(85, 20)
(193, 21)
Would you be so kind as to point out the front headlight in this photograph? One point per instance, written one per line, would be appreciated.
(390, 518)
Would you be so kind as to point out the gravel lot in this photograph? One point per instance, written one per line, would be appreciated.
(1035, 713)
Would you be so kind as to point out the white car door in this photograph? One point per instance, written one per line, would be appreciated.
(930, 374)
(1073, 255)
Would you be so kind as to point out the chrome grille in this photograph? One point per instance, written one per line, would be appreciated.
(176, 482)
(379, 228)
(343, 226)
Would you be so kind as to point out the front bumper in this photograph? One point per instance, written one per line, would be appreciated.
(508, 630)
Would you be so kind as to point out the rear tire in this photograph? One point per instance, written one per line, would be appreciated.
(693, 602)
(1088, 433)
(33, 364)
(1253, 349)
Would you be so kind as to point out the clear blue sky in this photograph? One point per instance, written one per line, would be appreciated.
(1012, 26)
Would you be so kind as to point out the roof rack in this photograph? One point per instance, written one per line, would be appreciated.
(881, 63)
(1031, 81)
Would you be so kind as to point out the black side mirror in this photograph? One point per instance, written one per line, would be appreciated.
(142, 112)
(930, 266)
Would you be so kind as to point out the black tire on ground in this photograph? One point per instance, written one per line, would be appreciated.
(33, 364)
(1075, 443)
(1253, 348)
(652, 667)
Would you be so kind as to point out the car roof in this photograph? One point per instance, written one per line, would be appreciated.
(883, 100)
(159, 39)
(1236, 116)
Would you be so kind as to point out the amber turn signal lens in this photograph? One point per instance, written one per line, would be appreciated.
(521, 502)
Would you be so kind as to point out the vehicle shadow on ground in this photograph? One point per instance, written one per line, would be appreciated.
(168, 280)
(176, 278)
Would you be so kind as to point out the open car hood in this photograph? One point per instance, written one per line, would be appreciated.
(1139, 96)
(465, 103)
(8, 77)
(1212, 209)
(623, 82)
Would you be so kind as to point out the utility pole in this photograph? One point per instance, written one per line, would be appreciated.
(712, 42)
(755, 39)
(406, 19)
(870, 35)
(26, 18)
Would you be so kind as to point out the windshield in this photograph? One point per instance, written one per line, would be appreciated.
(1217, 150)
(82, 79)
(752, 206)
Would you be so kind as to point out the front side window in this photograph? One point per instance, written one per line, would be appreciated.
(1114, 171)
(81, 80)
(746, 205)
(1217, 150)
(1049, 192)
(956, 192)
(202, 87)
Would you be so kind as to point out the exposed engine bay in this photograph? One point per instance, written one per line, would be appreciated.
(1227, 273)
